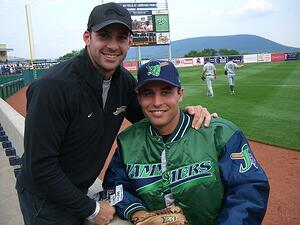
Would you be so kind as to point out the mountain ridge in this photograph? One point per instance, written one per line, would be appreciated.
(243, 43)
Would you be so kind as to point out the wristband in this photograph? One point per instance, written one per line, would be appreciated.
(97, 210)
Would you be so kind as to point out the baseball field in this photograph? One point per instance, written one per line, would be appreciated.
(266, 105)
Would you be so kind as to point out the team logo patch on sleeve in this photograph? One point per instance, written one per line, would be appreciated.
(247, 157)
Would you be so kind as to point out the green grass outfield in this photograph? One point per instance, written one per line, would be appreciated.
(266, 105)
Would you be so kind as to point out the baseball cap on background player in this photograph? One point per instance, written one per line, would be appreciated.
(109, 13)
(158, 70)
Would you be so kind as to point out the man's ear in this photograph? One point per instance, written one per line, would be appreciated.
(138, 97)
(181, 93)
(130, 40)
(86, 37)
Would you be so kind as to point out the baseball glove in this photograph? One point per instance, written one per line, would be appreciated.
(225, 72)
(203, 78)
(166, 216)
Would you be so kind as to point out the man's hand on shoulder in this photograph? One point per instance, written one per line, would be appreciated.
(201, 116)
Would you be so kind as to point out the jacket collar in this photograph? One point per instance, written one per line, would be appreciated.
(185, 122)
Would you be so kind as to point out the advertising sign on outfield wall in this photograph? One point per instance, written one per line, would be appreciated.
(236, 58)
(198, 61)
(290, 56)
(221, 59)
(277, 57)
(250, 58)
(264, 57)
(183, 62)
(211, 59)
(130, 65)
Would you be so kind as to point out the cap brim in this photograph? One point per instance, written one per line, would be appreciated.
(108, 22)
(140, 84)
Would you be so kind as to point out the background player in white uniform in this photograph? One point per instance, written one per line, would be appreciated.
(231, 67)
(209, 70)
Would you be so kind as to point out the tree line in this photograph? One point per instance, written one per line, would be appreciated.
(193, 53)
(211, 52)
(70, 54)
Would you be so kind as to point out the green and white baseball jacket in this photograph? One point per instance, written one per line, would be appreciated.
(210, 173)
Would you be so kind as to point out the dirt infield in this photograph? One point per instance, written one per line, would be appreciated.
(282, 167)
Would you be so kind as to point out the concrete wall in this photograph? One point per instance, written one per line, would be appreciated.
(13, 124)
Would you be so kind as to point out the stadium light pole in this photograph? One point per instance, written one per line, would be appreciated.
(30, 38)
(170, 47)
(138, 53)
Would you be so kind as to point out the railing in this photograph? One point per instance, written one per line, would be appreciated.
(10, 84)
(9, 88)
(7, 78)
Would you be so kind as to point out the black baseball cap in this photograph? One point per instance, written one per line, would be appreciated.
(109, 13)
(158, 70)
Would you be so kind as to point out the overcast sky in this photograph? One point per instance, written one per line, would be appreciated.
(58, 25)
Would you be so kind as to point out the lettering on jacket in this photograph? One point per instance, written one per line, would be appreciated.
(178, 175)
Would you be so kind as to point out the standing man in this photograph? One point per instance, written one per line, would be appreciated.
(209, 72)
(230, 68)
(73, 116)
(211, 174)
